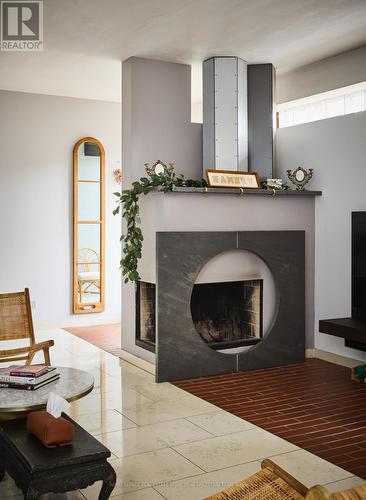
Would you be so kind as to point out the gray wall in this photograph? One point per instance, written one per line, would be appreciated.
(156, 108)
(336, 150)
(37, 135)
(156, 125)
(331, 73)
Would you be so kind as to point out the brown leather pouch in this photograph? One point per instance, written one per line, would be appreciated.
(49, 430)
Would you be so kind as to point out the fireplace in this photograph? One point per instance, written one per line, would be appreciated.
(145, 315)
(189, 261)
(228, 314)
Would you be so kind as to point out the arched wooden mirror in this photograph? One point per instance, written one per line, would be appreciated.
(89, 223)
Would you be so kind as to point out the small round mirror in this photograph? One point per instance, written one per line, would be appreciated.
(159, 169)
(300, 176)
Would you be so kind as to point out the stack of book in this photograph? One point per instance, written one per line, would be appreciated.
(27, 377)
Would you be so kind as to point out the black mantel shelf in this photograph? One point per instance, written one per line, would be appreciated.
(242, 192)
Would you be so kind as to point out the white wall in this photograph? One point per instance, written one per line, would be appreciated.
(336, 149)
(328, 74)
(37, 135)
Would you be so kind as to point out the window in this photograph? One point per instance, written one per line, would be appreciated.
(343, 101)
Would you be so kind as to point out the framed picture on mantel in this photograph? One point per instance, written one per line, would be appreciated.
(233, 179)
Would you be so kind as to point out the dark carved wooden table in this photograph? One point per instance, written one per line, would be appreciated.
(37, 469)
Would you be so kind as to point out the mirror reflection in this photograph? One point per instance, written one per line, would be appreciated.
(88, 226)
(89, 201)
(159, 169)
(89, 162)
(300, 175)
(89, 263)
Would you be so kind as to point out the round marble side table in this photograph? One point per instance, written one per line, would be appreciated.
(73, 384)
(37, 469)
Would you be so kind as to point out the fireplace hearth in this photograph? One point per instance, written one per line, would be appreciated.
(228, 314)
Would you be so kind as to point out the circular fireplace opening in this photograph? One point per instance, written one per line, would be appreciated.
(234, 301)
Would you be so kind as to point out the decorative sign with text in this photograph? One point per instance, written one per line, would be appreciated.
(233, 179)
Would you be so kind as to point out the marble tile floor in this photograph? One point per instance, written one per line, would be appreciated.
(165, 442)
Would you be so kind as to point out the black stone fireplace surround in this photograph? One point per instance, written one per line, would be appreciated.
(180, 352)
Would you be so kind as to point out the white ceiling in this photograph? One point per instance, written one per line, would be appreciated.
(85, 40)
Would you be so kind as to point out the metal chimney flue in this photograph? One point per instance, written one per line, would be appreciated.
(238, 116)
(225, 114)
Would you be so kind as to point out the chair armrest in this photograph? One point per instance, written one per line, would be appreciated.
(294, 483)
(17, 350)
(319, 493)
(31, 351)
(31, 348)
(41, 345)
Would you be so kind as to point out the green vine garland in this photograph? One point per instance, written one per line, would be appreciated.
(128, 202)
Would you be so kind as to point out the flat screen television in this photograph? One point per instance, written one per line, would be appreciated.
(359, 266)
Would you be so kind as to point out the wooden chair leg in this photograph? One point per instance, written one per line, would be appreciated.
(46, 353)
(30, 358)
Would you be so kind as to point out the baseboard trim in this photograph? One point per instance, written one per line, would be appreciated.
(332, 358)
(309, 353)
(140, 363)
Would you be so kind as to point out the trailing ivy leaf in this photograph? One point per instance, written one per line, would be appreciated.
(128, 200)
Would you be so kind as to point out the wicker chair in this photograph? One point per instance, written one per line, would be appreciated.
(16, 323)
(274, 483)
(88, 276)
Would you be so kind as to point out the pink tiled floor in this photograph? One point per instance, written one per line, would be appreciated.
(106, 337)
